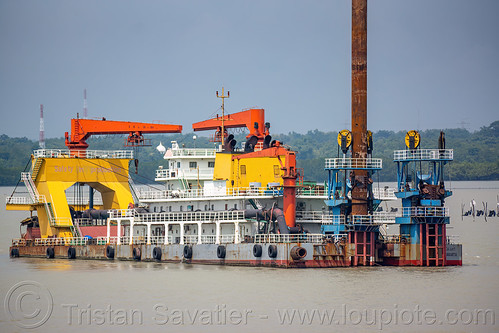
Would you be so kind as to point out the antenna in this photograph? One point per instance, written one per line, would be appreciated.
(41, 141)
(223, 97)
(85, 114)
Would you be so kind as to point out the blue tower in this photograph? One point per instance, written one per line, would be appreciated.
(361, 231)
(420, 185)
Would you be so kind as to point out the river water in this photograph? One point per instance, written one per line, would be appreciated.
(102, 296)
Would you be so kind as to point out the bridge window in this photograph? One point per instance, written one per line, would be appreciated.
(193, 165)
(211, 164)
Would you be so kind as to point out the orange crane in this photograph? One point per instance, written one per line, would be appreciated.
(82, 129)
(252, 119)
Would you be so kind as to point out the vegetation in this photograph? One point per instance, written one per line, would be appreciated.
(476, 154)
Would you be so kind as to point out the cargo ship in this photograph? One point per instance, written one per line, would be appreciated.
(246, 205)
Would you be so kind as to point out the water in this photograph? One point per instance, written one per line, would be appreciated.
(107, 296)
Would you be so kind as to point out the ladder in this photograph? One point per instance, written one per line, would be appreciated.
(432, 244)
(36, 168)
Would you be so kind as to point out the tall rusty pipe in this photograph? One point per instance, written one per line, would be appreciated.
(359, 101)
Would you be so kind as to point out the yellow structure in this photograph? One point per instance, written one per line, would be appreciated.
(240, 172)
(50, 177)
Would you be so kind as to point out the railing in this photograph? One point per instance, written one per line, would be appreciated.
(423, 211)
(18, 201)
(314, 216)
(207, 216)
(289, 238)
(423, 154)
(59, 153)
(226, 239)
(61, 222)
(335, 219)
(359, 219)
(311, 192)
(354, 163)
(188, 152)
(65, 241)
(190, 239)
(162, 174)
(208, 239)
(336, 237)
(396, 239)
(19, 242)
(384, 193)
(384, 217)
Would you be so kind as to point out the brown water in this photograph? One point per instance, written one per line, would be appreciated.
(102, 296)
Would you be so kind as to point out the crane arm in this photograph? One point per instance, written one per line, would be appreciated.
(82, 129)
(253, 120)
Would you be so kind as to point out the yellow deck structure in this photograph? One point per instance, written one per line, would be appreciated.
(54, 171)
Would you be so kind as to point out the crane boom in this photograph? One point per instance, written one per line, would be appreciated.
(82, 129)
(253, 119)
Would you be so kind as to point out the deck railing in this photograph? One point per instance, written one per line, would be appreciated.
(423, 154)
(424, 211)
(354, 163)
(60, 153)
(211, 216)
(65, 241)
(289, 238)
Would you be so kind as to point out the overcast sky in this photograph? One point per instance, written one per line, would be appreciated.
(431, 63)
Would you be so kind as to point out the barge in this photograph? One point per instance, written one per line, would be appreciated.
(246, 205)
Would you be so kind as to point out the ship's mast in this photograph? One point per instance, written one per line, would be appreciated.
(223, 97)
(359, 103)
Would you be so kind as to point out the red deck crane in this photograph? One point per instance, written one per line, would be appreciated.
(252, 119)
(82, 129)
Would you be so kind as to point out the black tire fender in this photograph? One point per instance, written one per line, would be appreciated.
(272, 250)
(110, 252)
(156, 253)
(257, 250)
(136, 254)
(221, 252)
(50, 252)
(188, 252)
(71, 253)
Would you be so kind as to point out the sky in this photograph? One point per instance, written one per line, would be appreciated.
(432, 64)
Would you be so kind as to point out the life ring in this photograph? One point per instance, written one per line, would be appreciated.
(188, 252)
(272, 250)
(71, 253)
(136, 254)
(221, 252)
(50, 252)
(257, 250)
(156, 253)
(110, 252)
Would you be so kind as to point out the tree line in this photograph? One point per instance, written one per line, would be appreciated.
(476, 154)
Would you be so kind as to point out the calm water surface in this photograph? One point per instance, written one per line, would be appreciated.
(103, 296)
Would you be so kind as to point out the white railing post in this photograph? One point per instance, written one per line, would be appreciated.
(148, 234)
(200, 232)
(182, 233)
(108, 227)
(118, 232)
(217, 234)
(131, 231)
(166, 233)
(236, 233)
